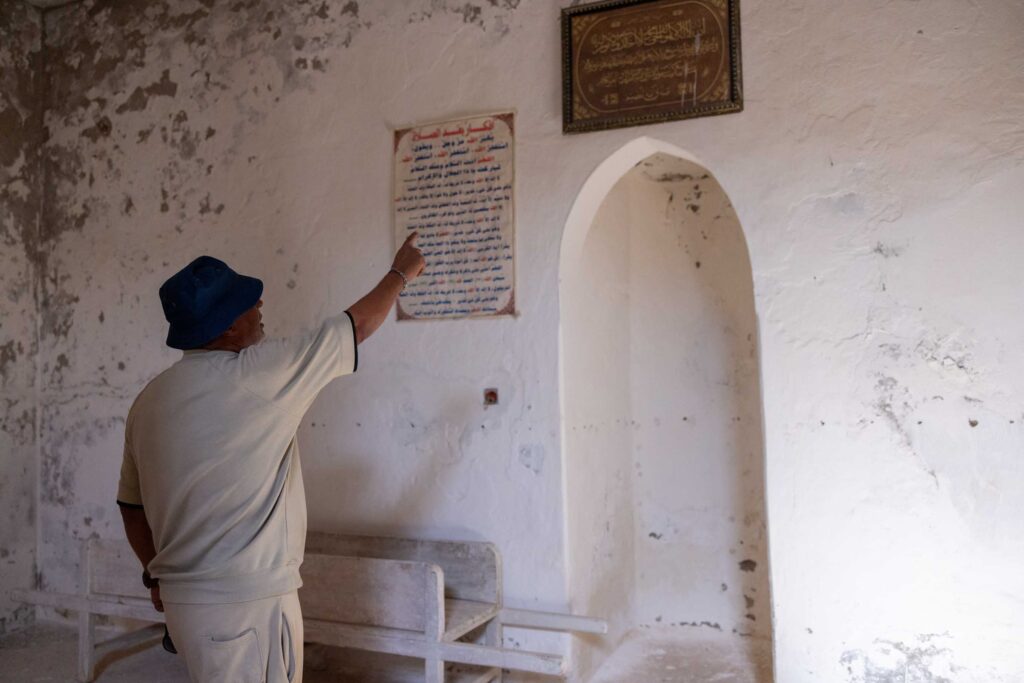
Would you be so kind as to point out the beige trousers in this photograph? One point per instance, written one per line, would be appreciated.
(244, 642)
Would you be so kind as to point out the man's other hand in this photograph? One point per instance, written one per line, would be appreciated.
(154, 595)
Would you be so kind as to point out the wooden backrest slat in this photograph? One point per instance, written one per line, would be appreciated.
(371, 592)
(472, 569)
(114, 569)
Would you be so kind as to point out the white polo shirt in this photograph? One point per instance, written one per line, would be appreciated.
(210, 455)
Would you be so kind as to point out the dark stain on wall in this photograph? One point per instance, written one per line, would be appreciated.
(102, 129)
(21, 124)
(21, 139)
(889, 661)
(672, 177)
(490, 16)
(140, 96)
(9, 353)
(700, 624)
(887, 251)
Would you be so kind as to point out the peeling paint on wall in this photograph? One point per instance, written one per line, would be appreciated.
(21, 134)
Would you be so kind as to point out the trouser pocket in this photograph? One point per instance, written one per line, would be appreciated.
(235, 659)
(287, 648)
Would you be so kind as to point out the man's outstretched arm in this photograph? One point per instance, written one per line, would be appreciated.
(140, 537)
(370, 312)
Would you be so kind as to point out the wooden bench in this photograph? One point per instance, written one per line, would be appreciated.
(421, 599)
(111, 584)
(417, 601)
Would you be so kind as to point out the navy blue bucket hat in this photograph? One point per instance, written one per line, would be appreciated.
(202, 300)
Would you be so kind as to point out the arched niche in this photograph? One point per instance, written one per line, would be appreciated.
(662, 424)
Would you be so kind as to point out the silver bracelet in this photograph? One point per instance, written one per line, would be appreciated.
(405, 281)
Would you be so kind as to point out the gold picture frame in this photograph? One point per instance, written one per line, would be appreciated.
(635, 62)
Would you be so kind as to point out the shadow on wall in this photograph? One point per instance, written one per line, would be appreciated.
(661, 395)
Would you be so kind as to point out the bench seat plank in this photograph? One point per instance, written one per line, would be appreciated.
(552, 621)
(357, 590)
(462, 616)
(472, 569)
(112, 606)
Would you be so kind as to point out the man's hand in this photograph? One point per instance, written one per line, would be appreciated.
(136, 528)
(369, 312)
(409, 261)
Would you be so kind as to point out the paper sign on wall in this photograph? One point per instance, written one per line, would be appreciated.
(454, 186)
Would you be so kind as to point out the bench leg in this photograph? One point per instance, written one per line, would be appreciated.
(494, 637)
(86, 646)
(434, 671)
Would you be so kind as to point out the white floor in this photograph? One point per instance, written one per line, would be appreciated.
(688, 656)
(46, 653)
(49, 653)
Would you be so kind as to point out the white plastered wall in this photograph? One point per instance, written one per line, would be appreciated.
(598, 430)
(877, 172)
(698, 451)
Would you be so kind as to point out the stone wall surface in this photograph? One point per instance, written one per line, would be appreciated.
(876, 172)
(698, 455)
(21, 133)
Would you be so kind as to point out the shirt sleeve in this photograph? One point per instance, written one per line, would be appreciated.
(128, 493)
(293, 371)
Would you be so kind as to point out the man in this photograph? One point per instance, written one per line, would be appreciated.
(211, 491)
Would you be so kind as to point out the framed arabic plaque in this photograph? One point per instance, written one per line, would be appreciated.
(633, 62)
(453, 186)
